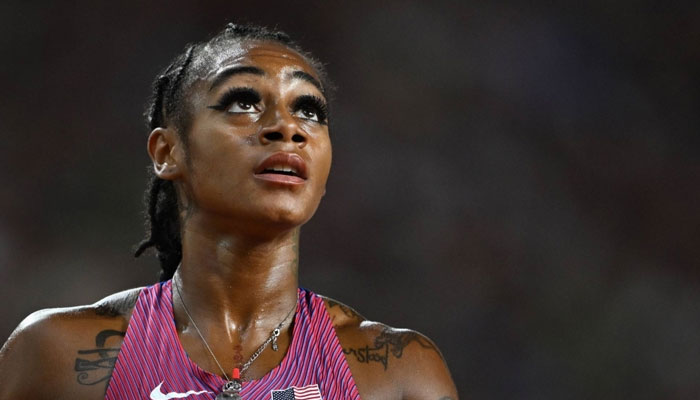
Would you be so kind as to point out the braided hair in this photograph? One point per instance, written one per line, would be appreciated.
(167, 106)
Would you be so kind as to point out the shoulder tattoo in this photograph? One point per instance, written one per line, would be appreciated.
(98, 364)
(345, 309)
(387, 344)
(117, 307)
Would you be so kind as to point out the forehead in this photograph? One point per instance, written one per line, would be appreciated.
(271, 57)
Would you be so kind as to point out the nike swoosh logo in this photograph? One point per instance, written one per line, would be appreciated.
(156, 394)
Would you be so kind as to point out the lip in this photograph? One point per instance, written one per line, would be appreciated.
(290, 160)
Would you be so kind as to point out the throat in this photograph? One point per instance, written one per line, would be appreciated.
(250, 354)
(237, 277)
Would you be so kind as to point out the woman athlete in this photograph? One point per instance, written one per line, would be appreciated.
(241, 153)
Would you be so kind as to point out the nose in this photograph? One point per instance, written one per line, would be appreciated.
(283, 128)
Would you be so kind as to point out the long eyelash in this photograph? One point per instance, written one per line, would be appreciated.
(242, 94)
(314, 102)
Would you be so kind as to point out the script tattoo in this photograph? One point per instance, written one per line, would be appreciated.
(98, 368)
(446, 398)
(388, 343)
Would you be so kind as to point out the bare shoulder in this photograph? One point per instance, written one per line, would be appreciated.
(390, 363)
(69, 350)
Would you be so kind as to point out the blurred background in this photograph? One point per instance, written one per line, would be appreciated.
(520, 183)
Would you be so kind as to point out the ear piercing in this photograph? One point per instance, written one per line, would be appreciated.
(163, 167)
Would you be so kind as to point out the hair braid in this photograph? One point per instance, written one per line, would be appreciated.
(167, 107)
(161, 197)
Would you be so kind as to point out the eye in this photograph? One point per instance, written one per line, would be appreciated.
(241, 107)
(308, 113)
(310, 108)
(239, 101)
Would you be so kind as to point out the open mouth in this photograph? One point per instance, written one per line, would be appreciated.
(282, 170)
(282, 167)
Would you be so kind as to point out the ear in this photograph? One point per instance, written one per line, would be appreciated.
(166, 151)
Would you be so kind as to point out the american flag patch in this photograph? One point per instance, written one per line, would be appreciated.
(310, 392)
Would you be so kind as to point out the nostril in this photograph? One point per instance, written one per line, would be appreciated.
(273, 136)
(297, 138)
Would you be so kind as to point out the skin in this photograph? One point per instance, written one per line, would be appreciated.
(240, 239)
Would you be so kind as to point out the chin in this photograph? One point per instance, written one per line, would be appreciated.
(288, 213)
(288, 218)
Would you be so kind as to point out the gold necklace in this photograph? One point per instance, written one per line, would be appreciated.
(232, 388)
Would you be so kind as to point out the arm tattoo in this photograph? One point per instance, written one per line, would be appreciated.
(345, 309)
(117, 307)
(388, 343)
(102, 359)
(446, 398)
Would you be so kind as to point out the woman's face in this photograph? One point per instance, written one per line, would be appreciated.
(258, 146)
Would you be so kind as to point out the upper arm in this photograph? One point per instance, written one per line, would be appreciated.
(65, 353)
(409, 361)
(424, 373)
(35, 357)
(389, 363)
(15, 363)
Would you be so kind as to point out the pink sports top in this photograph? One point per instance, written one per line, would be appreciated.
(153, 365)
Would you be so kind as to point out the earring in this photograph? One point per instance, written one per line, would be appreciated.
(162, 167)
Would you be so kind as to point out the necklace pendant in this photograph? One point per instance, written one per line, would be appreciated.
(275, 333)
(230, 390)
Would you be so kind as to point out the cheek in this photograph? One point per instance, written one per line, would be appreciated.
(324, 155)
(324, 167)
(219, 168)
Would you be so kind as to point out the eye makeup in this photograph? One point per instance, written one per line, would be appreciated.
(237, 94)
(313, 104)
(245, 95)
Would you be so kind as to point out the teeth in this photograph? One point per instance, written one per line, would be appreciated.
(282, 168)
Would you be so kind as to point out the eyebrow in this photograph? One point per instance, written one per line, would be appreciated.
(308, 78)
(247, 69)
(229, 72)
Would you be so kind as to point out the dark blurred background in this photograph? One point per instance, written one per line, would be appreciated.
(518, 182)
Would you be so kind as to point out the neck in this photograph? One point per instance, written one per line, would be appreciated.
(237, 281)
